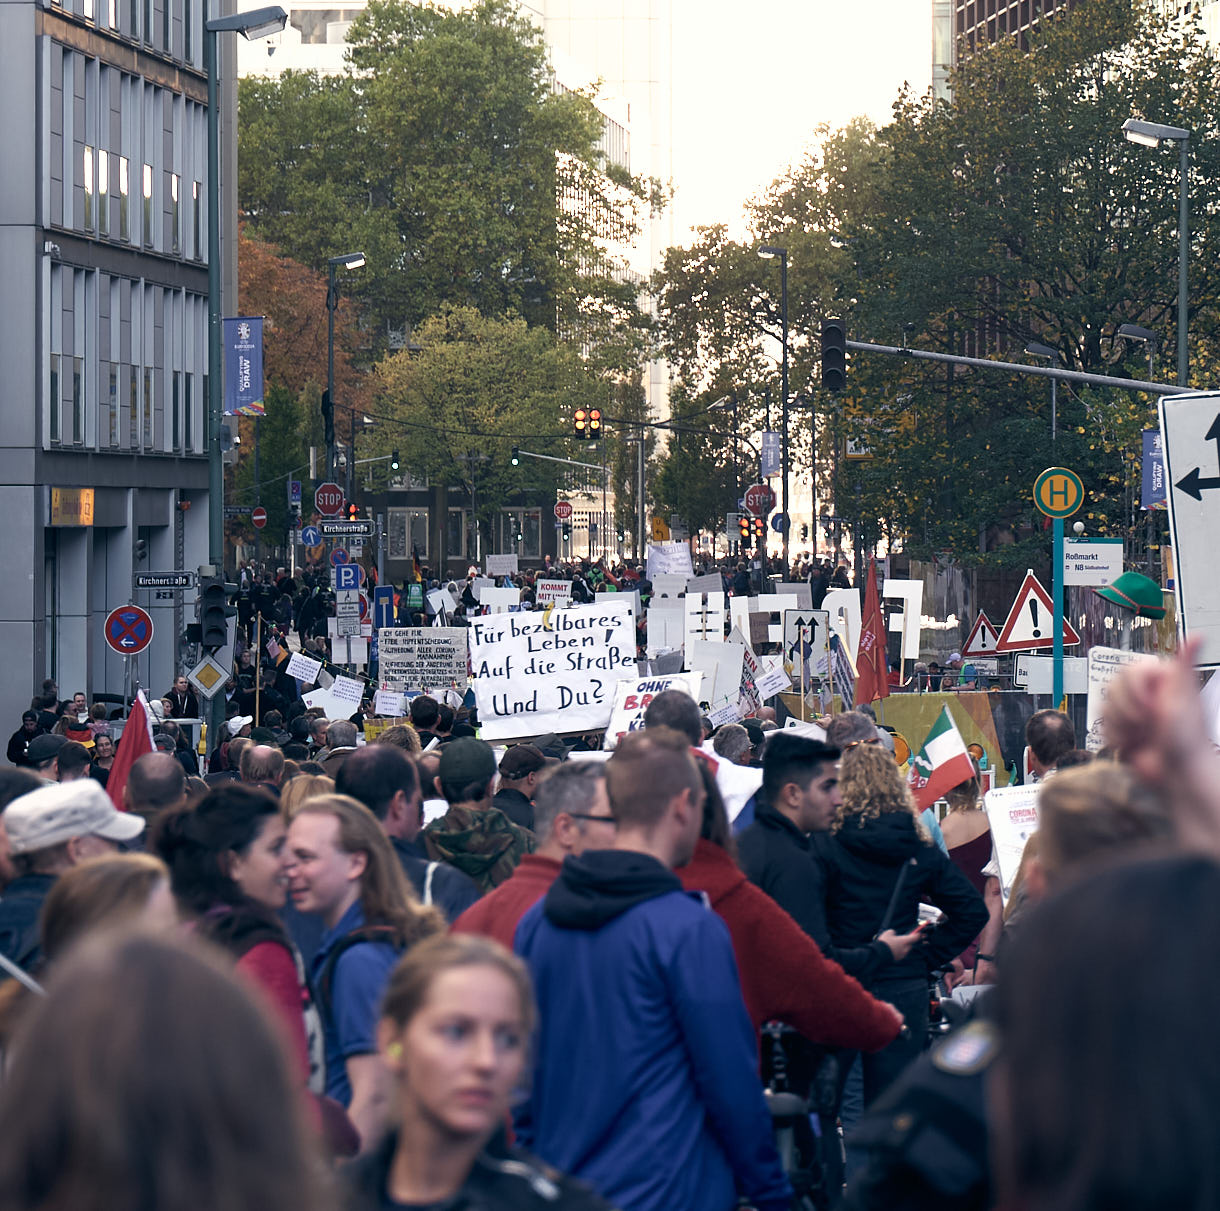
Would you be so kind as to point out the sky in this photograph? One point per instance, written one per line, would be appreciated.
(753, 78)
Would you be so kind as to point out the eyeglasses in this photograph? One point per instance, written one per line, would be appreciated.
(590, 816)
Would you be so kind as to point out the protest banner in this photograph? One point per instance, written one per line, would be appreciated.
(389, 704)
(500, 601)
(552, 592)
(501, 565)
(303, 668)
(1104, 664)
(422, 658)
(632, 696)
(1012, 812)
(671, 557)
(556, 672)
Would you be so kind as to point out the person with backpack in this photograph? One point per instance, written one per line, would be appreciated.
(340, 867)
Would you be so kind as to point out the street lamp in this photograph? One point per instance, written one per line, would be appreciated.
(255, 24)
(767, 251)
(348, 260)
(1145, 336)
(1034, 349)
(1152, 134)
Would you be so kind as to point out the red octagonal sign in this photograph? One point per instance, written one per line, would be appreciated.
(760, 500)
(563, 509)
(328, 499)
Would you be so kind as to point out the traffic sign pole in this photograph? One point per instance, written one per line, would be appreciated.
(1057, 598)
(1058, 493)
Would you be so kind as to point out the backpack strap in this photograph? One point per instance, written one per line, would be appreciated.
(428, 873)
(323, 992)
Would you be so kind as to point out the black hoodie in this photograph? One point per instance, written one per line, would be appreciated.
(602, 884)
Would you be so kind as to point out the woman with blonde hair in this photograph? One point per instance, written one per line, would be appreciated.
(302, 787)
(341, 868)
(454, 1036)
(877, 864)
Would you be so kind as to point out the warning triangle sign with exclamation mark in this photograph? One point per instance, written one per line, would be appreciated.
(1030, 623)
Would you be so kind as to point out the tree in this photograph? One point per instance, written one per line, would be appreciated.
(446, 154)
(476, 387)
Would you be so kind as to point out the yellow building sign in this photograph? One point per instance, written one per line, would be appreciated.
(71, 506)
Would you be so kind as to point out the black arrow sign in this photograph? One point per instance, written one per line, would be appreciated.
(1194, 484)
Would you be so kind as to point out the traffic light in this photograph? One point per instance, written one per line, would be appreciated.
(743, 526)
(834, 355)
(213, 614)
(328, 419)
(516, 460)
(595, 423)
(760, 530)
(394, 460)
(567, 531)
(580, 422)
(804, 532)
(353, 511)
(141, 550)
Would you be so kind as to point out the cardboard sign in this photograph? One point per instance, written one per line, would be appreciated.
(389, 704)
(1013, 814)
(703, 617)
(501, 565)
(303, 668)
(500, 601)
(668, 585)
(537, 673)
(632, 697)
(422, 658)
(713, 582)
(1104, 664)
(720, 663)
(671, 557)
(553, 592)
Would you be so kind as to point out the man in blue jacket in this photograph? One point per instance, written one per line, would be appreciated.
(646, 1076)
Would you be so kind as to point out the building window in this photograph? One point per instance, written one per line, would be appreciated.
(148, 408)
(78, 401)
(148, 204)
(87, 173)
(197, 217)
(167, 26)
(408, 532)
(176, 422)
(188, 416)
(133, 409)
(87, 9)
(188, 41)
(455, 537)
(55, 400)
(148, 20)
(133, 14)
(113, 14)
(103, 193)
(175, 213)
(521, 533)
(108, 416)
(124, 185)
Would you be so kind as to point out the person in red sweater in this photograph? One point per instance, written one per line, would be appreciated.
(571, 815)
(784, 975)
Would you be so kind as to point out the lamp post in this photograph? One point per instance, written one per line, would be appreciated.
(1036, 350)
(255, 24)
(768, 251)
(348, 260)
(1152, 134)
(1146, 337)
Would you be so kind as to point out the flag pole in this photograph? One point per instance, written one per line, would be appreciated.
(258, 660)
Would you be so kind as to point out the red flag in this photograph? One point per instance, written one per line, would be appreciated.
(137, 739)
(871, 680)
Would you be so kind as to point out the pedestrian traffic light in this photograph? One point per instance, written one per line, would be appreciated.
(516, 456)
(834, 355)
(580, 422)
(743, 526)
(595, 423)
(213, 614)
(394, 460)
(328, 419)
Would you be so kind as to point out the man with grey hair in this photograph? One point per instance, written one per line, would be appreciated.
(341, 741)
(571, 815)
(732, 742)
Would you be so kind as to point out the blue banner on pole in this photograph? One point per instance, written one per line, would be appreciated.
(1152, 489)
(772, 455)
(243, 344)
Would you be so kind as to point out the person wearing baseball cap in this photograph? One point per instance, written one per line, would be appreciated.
(519, 770)
(477, 838)
(42, 754)
(50, 830)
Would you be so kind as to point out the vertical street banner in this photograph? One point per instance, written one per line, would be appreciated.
(243, 346)
(1152, 482)
(772, 458)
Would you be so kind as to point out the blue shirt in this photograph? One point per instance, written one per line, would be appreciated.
(357, 984)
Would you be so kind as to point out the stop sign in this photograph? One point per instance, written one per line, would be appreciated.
(563, 509)
(259, 517)
(328, 499)
(760, 500)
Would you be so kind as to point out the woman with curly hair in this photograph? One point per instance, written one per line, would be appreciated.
(877, 864)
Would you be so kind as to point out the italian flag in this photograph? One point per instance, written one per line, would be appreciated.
(941, 764)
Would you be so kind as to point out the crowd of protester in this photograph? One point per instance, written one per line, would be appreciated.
(408, 970)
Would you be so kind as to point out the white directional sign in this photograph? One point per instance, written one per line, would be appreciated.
(1190, 434)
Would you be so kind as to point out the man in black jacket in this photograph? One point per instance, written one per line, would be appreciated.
(383, 778)
(519, 770)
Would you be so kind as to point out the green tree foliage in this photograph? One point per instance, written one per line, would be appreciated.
(446, 154)
(476, 387)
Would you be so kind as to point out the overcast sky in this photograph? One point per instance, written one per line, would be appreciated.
(752, 78)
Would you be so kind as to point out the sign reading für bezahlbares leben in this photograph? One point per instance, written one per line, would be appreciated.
(551, 670)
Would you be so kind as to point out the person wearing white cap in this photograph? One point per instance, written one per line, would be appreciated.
(51, 830)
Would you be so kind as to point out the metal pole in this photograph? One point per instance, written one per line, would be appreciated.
(1183, 245)
(639, 508)
(1054, 408)
(783, 291)
(1057, 606)
(215, 460)
(330, 367)
(258, 495)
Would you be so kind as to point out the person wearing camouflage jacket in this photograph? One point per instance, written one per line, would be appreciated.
(476, 838)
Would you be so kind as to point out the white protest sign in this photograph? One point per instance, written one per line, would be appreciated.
(668, 585)
(729, 713)
(1103, 666)
(335, 707)
(536, 674)
(629, 595)
(500, 601)
(1012, 812)
(703, 620)
(671, 557)
(552, 592)
(1092, 561)
(713, 582)
(501, 565)
(389, 704)
(1035, 674)
(773, 679)
(440, 602)
(666, 627)
(843, 606)
(632, 696)
(349, 691)
(480, 584)
(422, 658)
(720, 663)
(906, 621)
(303, 668)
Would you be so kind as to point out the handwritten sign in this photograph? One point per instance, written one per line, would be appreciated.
(389, 704)
(303, 668)
(1012, 812)
(537, 673)
(501, 565)
(1103, 666)
(672, 557)
(633, 696)
(552, 592)
(421, 658)
(348, 691)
